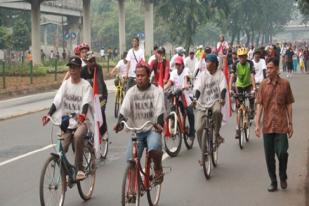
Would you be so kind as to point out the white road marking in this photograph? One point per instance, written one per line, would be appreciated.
(26, 155)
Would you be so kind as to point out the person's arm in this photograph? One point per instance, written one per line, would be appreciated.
(67, 75)
(259, 110)
(166, 72)
(290, 119)
(252, 70)
(168, 85)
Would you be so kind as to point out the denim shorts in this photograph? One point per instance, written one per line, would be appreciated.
(151, 139)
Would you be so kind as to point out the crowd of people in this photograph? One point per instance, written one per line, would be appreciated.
(207, 75)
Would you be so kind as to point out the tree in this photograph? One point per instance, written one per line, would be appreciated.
(21, 35)
(303, 6)
(4, 37)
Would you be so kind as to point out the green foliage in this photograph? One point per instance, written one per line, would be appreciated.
(4, 37)
(21, 35)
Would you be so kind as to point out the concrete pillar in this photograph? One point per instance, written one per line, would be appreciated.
(122, 27)
(35, 32)
(148, 26)
(86, 22)
(45, 35)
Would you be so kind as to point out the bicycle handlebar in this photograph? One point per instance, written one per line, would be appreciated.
(53, 121)
(137, 128)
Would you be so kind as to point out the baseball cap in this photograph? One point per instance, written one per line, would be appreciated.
(74, 61)
(179, 60)
(90, 55)
(212, 58)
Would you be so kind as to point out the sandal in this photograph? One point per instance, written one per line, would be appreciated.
(158, 176)
(80, 175)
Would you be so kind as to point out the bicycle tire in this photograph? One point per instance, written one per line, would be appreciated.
(154, 192)
(125, 187)
(214, 149)
(188, 142)
(86, 190)
(58, 178)
(104, 146)
(170, 150)
(206, 162)
(247, 129)
(242, 132)
(117, 104)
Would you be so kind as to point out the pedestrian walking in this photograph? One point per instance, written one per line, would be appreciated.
(274, 103)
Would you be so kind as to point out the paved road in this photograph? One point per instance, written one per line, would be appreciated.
(240, 178)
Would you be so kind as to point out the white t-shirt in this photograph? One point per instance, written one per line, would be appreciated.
(259, 67)
(141, 106)
(122, 67)
(139, 55)
(70, 98)
(201, 66)
(102, 52)
(191, 64)
(222, 46)
(210, 87)
(179, 82)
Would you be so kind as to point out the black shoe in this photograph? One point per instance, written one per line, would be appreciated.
(283, 184)
(272, 187)
(237, 136)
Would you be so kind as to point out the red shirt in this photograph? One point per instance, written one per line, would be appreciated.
(161, 72)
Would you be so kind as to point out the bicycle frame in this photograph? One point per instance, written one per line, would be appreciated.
(178, 116)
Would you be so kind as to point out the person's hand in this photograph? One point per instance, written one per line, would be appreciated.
(158, 128)
(81, 118)
(45, 119)
(258, 131)
(290, 130)
(125, 77)
(222, 102)
(118, 127)
(194, 103)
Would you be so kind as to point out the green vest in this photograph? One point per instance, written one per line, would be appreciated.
(243, 75)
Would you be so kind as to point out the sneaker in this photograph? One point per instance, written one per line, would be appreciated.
(219, 139)
(237, 136)
(80, 175)
(131, 198)
(158, 176)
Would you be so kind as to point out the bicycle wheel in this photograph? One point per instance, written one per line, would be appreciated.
(214, 149)
(86, 186)
(104, 146)
(130, 193)
(188, 141)
(173, 142)
(206, 162)
(117, 104)
(247, 128)
(52, 183)
(242, 132)
(154, 192)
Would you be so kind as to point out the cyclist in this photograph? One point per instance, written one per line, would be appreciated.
(191, 62)
(84, 48)
(121, 67)
(160, 67)
(74, 96)
(180, 51)
(244, 72)
(222, 50)
(210, 88)
(180, 80)
(88, 73)
(144, 102)
(134, 56)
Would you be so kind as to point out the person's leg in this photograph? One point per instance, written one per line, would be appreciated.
(237, 135)
(154, 143)
(281, 149)
(103, 127)
(79, 136)
(190, 115)
(200, 125)
(217, 117)
(269, 148)
(67, 138)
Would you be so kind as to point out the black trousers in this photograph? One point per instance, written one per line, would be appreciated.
(276, 144)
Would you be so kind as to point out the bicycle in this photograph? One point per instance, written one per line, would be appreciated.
(144, 180)
(209, 146)
(120, 92)
(58, 173)
(244, 117)
(178, 126)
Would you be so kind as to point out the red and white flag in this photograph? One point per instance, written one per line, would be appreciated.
(226, 109)
(97, 114)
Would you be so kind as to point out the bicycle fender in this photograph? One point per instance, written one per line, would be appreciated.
(55, 155)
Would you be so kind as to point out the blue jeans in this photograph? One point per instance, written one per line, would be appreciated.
(150, 139)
